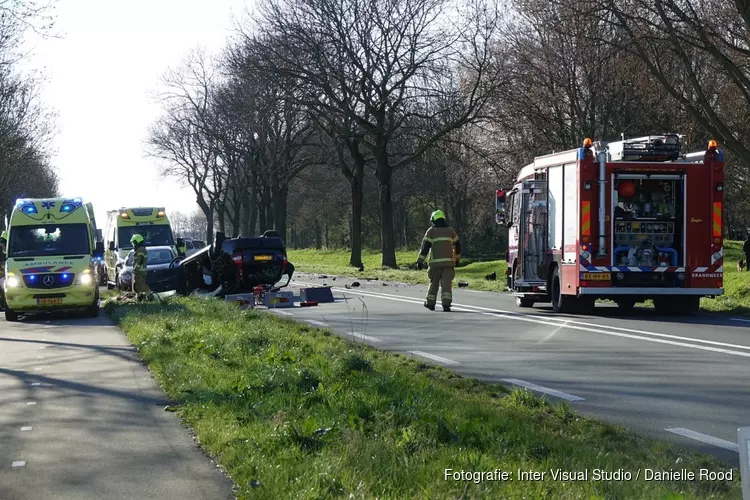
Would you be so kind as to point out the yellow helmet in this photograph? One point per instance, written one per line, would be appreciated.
(136, 239)
(436, 215)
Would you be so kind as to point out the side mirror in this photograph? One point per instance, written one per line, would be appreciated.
(112, 246)
(500, 207)
(99, 249)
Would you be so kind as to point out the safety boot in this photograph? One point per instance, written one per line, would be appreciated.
(446, 308)
(429, 306)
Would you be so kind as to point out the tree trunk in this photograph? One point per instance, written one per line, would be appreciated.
(262, 224)
(318, 235)
(268, 206)
(208, 211)
(356, 176)
(387, 237)
(221, 214)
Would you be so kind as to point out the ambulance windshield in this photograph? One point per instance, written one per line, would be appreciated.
(49, 240)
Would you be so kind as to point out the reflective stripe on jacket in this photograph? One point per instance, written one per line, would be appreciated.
(443, 245)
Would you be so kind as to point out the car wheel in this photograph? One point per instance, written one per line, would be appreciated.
(11, 315)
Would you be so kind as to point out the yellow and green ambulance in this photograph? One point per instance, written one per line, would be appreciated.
(51, 257)
(150, 222)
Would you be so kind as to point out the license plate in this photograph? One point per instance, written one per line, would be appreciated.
(597, 276)
(262, 257)
(49, 302)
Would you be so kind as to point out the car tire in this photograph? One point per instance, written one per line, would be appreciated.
(11, 316)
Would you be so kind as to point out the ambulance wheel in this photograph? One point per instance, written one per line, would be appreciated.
(11, 315)
(560, 303)
(524, 302)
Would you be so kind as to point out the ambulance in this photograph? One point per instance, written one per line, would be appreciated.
(51, 258)
(150, 222)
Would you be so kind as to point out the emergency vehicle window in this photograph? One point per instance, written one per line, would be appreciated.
(648, 222)
(516, 208)
(129, 259)
(42, 240)
(152, 234)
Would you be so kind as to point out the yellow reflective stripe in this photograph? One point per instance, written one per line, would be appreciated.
(585, 218)
(717, 218)
(442, 238)
(428, 239)
(441, 260)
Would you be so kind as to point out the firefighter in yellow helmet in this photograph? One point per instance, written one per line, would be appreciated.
(442, 242)
(140, 266)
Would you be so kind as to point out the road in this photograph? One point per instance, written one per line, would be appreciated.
(677, 378)
(81, 418)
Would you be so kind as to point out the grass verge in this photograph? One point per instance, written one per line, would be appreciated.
(291, 411)
(736, 298)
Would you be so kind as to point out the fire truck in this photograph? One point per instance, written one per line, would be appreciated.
(629, 221)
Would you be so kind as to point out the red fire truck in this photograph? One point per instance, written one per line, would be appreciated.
(629, 221)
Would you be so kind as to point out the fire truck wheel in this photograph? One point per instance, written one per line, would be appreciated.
(524, 302)
(691, 305)
(585, 305)
(668, 305)
(560, 303)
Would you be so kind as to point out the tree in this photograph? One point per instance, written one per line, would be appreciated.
(390, 67)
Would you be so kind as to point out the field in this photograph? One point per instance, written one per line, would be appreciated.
(291, 411)
(736, 285)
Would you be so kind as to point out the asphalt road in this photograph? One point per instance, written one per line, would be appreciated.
(81, 418)
(677, 378)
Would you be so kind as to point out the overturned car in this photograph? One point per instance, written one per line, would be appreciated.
(234, 265)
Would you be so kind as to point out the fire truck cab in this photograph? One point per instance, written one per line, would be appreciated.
(630, 220)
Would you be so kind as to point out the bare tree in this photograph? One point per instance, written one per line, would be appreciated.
(388, 66)
(183, 137)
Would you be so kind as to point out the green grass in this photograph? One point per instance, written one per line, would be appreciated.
(291, 411)
(736, 298)
(337, 262)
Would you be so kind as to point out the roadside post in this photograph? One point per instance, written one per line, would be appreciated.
(743, 435)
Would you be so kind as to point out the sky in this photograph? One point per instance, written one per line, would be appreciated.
(100, 78)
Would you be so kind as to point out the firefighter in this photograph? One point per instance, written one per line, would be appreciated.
(140, 267)
(445, 247)
(746, 249)
(181, 247)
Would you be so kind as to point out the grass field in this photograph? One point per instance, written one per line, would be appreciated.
(736, 285)
(291, 411)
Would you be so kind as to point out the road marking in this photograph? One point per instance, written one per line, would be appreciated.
(740, 319)
(25, 429)
(33, 384)
(38, 368)
(576, 325)
(542, 389)
(705, 438)
(31, 403)
(43, 347)
(362, 336)
(317, 323)
(433, 357)
(40, 357)
(283, 313)
(19, 463)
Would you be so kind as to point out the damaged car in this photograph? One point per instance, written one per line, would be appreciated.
(235, 265)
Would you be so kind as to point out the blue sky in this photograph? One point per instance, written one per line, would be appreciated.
(100, 77)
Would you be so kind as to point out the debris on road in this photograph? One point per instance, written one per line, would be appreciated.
(356, 284)
(463, 284)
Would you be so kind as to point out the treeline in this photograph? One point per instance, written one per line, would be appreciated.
(346, 123)
(26, 127)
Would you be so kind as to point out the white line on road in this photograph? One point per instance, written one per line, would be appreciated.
(577, 325)
(542, 389)
(33, 384)
(38, 368)
(40, 357)
(25, 429)
(19, 463)
(317, 323)
(740, 319)
(705, 438)
(362, 336)
(433, 357)
(31, 403)
(283, 313)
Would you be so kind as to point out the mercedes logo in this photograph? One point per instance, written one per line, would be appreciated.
(49, 280)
